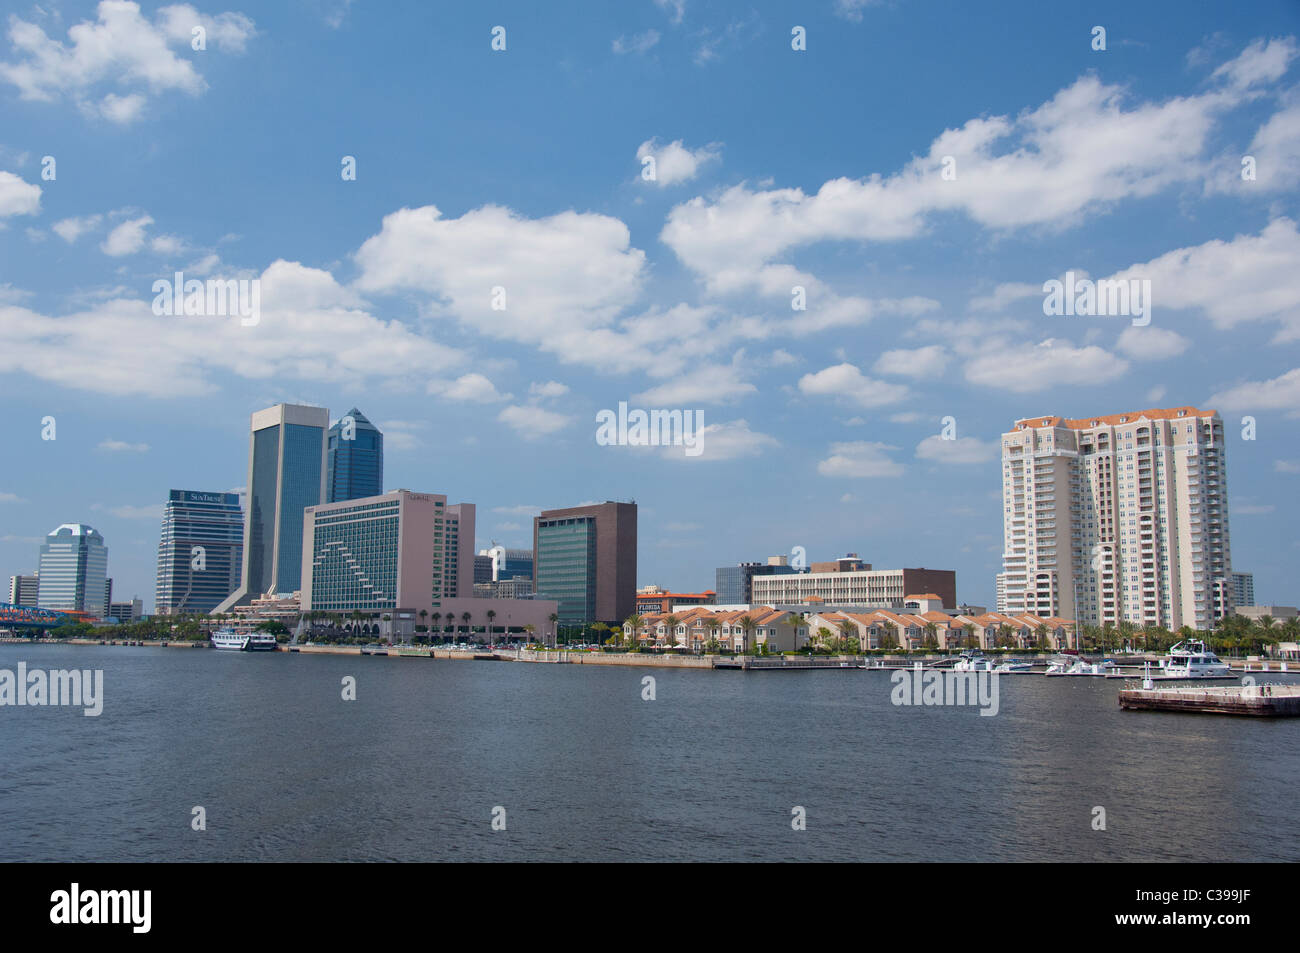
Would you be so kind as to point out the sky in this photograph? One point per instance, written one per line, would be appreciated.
(499, 262)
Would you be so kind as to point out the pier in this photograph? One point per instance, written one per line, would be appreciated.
(1267, 701)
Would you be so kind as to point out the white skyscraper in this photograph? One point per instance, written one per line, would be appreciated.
(1123, 517)
(73, 570)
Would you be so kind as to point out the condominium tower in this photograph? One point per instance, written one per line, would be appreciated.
(1117, 518)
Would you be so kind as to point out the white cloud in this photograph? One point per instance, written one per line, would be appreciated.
(727, 441)
(919, 362)
(675, 163)
(18, 197)
(127, 238)
(1151, 343)
(548, 389)
(1279, 393)
(468, 387)
(847, 382)
(167, 245)
(1005, 294)
(676, 9)
(532, 422)
(1286, 466)
(963, 450)
(852, 9)
(703, 384)
(1251, 277)
(120, 47)
(1026, 368)
(860, 459)
(11, 498)
(121, 445)
(70, 229)
(637, 43)
(310, 329)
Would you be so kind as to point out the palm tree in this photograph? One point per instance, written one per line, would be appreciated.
(746, 627)
(970, 633)
(491, 615)
(552, 618)
(847, 631)
(465, 617)
(931, 635)
(823, 634)
(713, 625)
(633, 622)
(530, 629)
(436, 616)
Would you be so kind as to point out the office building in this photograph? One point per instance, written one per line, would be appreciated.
(286, 474)
(653, 600)
(125, 612)
(734, 584)
(855, 587)
(505, 563)
(200, 551)
(1117, 518)
(586, 561)
(23, 590)
(1243, 588)
(458, 564)
(355, 459)
(482, 569)
(73, 573)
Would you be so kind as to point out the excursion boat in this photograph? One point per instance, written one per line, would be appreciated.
(228, 638)
(1191, 659)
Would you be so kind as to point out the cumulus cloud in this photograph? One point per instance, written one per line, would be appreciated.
(1151, 343)
(847, 382)
(70, 229)
(123, 48)
(127, 238)
(532, 422)
(18, 197)
(1279, 393)
(468, 387)
(961, 451)
(637, 42)
(548, 389)
(860, 459)
(311, 328)
(1026, 368)
(675, 163)
(118, 446)
(727, 441)
(918, 362)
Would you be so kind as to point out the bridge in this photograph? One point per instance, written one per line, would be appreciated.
(32, 617)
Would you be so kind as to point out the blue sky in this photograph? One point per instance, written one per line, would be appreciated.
(522, 169)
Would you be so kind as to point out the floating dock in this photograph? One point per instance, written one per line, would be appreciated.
(1266, 701)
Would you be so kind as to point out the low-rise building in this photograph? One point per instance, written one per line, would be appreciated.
(735, 630)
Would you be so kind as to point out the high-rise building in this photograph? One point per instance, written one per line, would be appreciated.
(1117, 518)
(378, 552)
(125, 612)
(286, 474)
(458, 563)
(356, 459)
(200, 551)
(74, 570)
(24, 590)
(1243, 588)
(108, 594)
(505, 564)
(482, 569)
(586, 561)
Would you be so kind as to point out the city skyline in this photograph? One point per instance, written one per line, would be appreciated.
(924, 306)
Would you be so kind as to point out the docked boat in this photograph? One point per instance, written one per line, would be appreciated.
(228, 638)
(1080, 666)
(1191, 659)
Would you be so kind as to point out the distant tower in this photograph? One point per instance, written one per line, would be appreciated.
(200, 551)
(286, 474)
(356, 459)
(74, 570)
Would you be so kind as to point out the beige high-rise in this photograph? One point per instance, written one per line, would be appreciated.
(1122, 517)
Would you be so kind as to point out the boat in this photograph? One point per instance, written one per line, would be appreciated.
(973, 660)
(228, 638)
(1191, 659)
(1078, 665)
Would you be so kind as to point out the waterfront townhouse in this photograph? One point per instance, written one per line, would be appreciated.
(734, 630)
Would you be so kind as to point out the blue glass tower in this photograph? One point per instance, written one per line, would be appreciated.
(356, 459)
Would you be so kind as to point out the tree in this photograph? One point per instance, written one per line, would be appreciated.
(552, 618)
(530, 629)
(633, 622)
(713, 625)
(465, 617)
(969, 627)
(436, 617)
(491, 616)
(671, 624)
(931, 635)
(746, 627)
(823, 635)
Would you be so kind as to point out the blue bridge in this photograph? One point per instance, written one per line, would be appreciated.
(31, 617)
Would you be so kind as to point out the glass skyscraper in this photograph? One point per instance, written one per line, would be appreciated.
(566, 566)
(200, 551)
(74, 570)
(286, 474)
(356, 459)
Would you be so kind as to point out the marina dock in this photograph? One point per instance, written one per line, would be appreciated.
(1267, 701)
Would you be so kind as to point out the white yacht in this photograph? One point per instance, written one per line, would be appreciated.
(1078, 665)
(973, 660)
(1191, 659)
